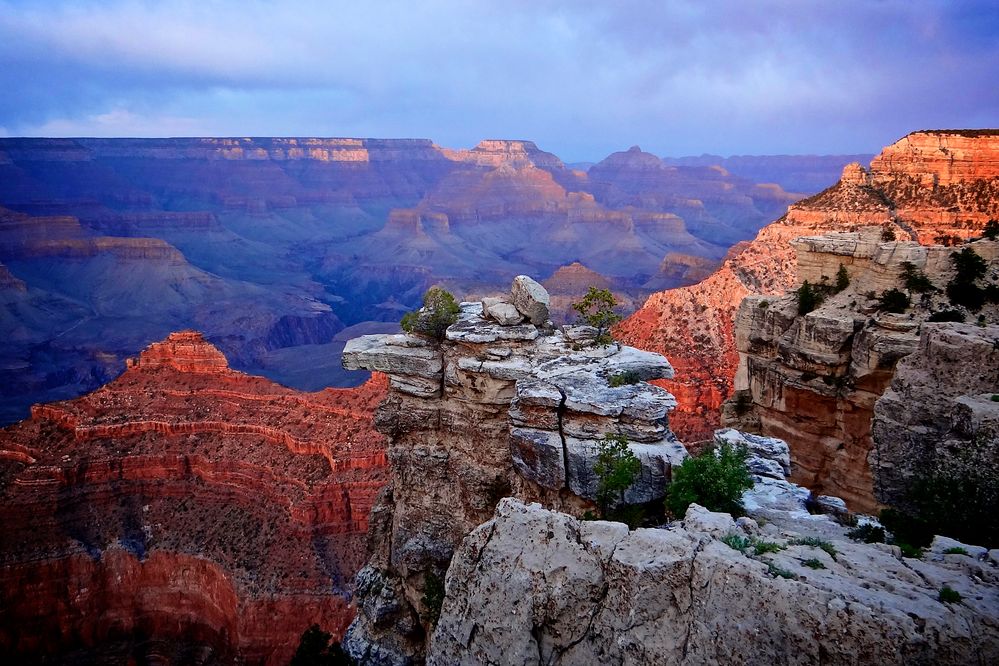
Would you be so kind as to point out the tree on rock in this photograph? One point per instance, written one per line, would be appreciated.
(616, 469)
(439, 311)
(809, 298)
(715, 479)
(597, 310)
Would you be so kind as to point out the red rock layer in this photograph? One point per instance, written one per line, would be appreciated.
(907, 186)
(183, 512)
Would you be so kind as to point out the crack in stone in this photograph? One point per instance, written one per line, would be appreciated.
(690, 614)
(560, 414)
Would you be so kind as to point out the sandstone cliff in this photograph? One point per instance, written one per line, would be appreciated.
(495, 410)
(813, 379)
(184, 513)
(929, 186)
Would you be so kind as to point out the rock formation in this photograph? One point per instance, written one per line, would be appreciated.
(535, 586)
(813, 379)
(949, 198)
(186, 513)
(941, 414)
(492, 411)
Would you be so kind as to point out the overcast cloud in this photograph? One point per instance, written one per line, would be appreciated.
(582, 78)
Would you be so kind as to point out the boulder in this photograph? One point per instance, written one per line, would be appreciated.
(501, 310)
(531, 299)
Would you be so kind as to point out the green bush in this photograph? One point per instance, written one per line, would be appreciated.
(809, 298)
(813, 563)
(969, 268)
(887, 234)
(715, 479)
(624, 378)
(868, 533)
(597, 310)
(949, 596)
(914, 279)
(781, 572)
(894, 300)
(439, 311)
(736, 542)
(956, 550)
(991, 230)
(842, 279)
(815, 542)
(764, 547)
(908, 550)
(616, 469)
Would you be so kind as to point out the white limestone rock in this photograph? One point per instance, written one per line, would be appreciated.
(393, 355)
(530, 299)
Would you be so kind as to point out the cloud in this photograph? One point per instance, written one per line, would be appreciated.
(581, 77)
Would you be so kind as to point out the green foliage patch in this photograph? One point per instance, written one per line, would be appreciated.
(597, 310)
(715, 479)
(439, 311)
(616, 469)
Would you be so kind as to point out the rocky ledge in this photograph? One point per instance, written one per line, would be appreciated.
(781, 586)
(501, 407)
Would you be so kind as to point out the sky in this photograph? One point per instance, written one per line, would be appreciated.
(581, 78)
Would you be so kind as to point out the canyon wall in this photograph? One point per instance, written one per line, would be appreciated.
(494, 410)
(953, 196)
(184, 513)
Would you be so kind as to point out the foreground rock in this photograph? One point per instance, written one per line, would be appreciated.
(184, 513)
(493, 411)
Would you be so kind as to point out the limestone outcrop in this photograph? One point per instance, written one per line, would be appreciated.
(940, 416)
(813, 379)
(491, 411)
(931, 187)
(184, 513)
(536, 586)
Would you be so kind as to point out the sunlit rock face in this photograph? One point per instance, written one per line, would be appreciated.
(814, 379)
(494, 410)
(184, 513)
(913, 188)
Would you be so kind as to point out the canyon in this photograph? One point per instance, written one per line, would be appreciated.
(184, 513)
(281, 249)
(929, 187)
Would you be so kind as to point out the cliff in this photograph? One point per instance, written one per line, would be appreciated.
(694, 324)
(184, 512)
(813, 379)
(495, 410)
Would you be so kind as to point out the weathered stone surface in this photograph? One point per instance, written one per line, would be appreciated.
(938, 416)
(502, 310)
(538, 455)
(533, 586)
(530, 299)
(393, 354)
(767, 448)
(941, 544)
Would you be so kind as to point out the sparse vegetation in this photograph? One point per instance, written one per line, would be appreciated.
(439, 311)
(956, 550)
(737, 542)
(963, 290)
(887, 234)
(813, 563)
(715, 479)
(947, 315)
(991, 230)
(763, 305)
(809, 298)
(616, 469)
(764, 547)
(624, 378)
(949, 595)
(597, 310)
(780, 572)
(842, 279)
(894, 300)
(908, 550)
(815, 542)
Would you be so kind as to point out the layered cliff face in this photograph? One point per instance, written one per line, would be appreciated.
(184, 513)
(495, 410)
(813, 379)
(693, 325)
(940, 416)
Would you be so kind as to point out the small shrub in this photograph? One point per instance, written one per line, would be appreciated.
(908, 550)
(867, 533)
(809, 298)
(995, 397)
(439, 311)
(624, 378)
(764, 547)
(949, 596)
(842, 279)
(433, 597)
(914, 279)
(813, 563)
(887, 234)
(991, 230)
(715, 479)
(597, 310)
(947, 315)
(763, 305)
(956, 550)
(736, 542)
(962, 290)
(781, 572)
(616, 469)
(816, 542)
(894, 300)
(846, 519)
